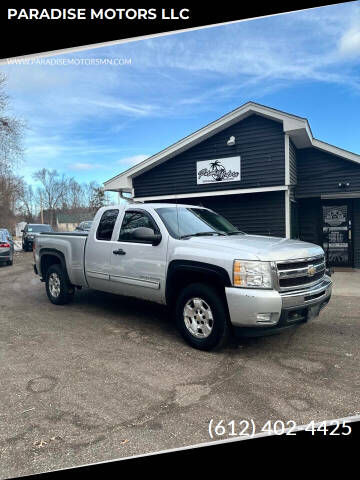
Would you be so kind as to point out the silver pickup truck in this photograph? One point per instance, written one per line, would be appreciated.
(216, 279)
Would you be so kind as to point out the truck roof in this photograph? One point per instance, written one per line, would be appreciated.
(155, 205)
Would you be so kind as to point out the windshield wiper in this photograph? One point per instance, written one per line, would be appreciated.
(201, 234)
(236, 232)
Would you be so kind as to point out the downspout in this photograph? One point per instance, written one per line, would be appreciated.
(128, 199)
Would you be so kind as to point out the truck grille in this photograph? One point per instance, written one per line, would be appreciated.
(300, 273)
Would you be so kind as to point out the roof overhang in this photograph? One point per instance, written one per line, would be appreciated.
(297, 128)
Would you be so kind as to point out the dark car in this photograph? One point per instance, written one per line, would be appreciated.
(31, 231)
(6, 248)
(84, 226)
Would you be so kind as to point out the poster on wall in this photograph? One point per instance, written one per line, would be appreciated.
(336, 233)
(218, 170)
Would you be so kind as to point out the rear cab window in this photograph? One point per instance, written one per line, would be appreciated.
(106, 225)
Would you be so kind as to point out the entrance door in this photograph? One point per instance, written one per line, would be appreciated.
(337, 232)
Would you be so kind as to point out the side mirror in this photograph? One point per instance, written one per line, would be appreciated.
(145, 234)
(22, 231)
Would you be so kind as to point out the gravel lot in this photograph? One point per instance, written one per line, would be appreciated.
(108, 377)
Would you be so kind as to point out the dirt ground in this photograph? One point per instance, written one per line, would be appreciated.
(107, 377)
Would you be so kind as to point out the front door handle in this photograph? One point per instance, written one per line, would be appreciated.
(120, 251)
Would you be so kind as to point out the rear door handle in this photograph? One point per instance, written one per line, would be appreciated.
(120, 251)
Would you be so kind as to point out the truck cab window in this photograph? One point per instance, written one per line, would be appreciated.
(134, 219)
(106, 225)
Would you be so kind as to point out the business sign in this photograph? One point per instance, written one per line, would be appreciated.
(220, 170)
(335, 216)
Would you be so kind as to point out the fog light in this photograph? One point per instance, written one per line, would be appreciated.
(264, 318)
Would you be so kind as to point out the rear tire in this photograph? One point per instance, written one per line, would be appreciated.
(201, 317)
(58, 288)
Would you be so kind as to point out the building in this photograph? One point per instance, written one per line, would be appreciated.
(263, 170)
(67, 222)
(18, 228)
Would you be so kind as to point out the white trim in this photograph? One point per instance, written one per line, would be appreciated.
(287, 159)
(340, 195)
(287, 214)
(236, 191)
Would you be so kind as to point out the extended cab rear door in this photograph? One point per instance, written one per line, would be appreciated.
(138, 269)
(98, 251)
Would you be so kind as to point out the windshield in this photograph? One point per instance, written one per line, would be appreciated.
(85, 224)
(182, 222)
(39, 228)
(5, 232)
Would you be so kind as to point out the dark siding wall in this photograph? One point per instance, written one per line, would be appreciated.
(356, 232)
(320, 172)
(310, 220)
(293, 169)
(258, 214)
(259, 141)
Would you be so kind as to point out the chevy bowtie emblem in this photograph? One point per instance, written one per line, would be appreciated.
(311, 270)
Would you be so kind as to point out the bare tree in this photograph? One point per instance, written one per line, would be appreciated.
(99, 198)
(11, 131)
(9, 193)
(52, 190)
(88, 192)
(10, 152)
(74, 198)
(27, 204)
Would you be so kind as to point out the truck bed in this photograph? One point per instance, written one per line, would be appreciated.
(72, 246)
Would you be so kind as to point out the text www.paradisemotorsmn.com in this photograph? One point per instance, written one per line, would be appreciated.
(70, 61)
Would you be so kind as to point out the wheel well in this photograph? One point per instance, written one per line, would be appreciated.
(179, 278)
(47, 260)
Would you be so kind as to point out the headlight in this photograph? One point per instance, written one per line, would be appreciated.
(253, 274)
(31, 237)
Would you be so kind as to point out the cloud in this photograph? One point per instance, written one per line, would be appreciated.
(127, 108)
(85, 166)
(350, 41)
(133, 160)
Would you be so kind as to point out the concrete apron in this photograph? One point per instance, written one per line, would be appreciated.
(346, 284)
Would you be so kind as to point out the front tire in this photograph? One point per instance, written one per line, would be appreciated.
(201, 317)
(58, 288)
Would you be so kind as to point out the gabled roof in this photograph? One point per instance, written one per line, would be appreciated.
(297, 128)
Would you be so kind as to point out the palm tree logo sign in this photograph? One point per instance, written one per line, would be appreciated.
(217, 171)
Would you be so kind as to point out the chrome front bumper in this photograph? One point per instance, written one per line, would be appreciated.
(248, 307)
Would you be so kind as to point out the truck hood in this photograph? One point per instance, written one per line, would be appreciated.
(264, 248)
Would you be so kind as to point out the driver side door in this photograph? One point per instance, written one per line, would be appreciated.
(138, 268)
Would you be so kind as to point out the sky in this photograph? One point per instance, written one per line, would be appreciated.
(95, 121)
